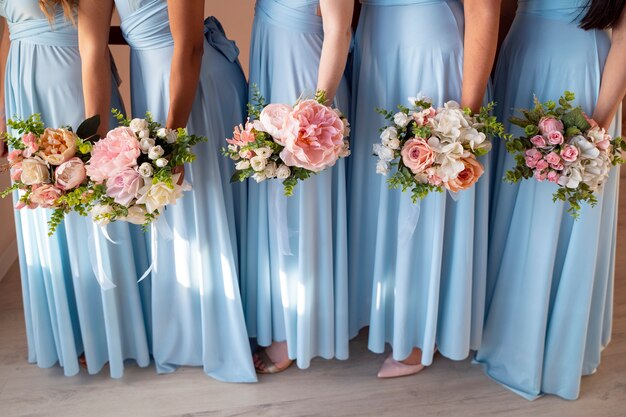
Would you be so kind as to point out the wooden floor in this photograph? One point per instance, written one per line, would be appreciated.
(328, 388)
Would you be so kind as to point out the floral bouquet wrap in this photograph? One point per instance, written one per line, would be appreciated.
(48, 166)
(288, 143)
(562, 145)
(132, 170)
(432, 149)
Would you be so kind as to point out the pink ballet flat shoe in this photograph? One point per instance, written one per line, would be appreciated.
(393, 369)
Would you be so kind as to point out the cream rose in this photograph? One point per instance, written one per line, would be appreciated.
(35, 171)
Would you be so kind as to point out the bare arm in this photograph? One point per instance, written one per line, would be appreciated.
(613, 86)
(94, 20)
(337, 18)
(187, 25)
(481, 38)
(4, 53)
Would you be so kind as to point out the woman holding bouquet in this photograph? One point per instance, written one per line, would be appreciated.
(65, 305)
(417, 270)
(295, 286)
(550, 285)
(185, 72)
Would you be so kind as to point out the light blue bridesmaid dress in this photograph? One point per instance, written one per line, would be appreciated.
(417, 271)
(550, 284)
(295, 289)
(67, 311)
(196, 306)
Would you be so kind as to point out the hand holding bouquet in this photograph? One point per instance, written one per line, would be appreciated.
(561, 145)
(131, 170)
(288, 143)
(433, 149)
(48, 166)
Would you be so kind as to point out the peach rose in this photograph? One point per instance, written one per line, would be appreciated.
(35, 171)
(417, 155)
(57, 145)
(45, 195)
(468, 177)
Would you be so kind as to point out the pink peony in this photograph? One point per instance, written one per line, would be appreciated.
(553, 176)
(274, 120)
(417, 155)
(124, 186)
(553, 158)
(118, 151)
(555, 138)
(45, 195)
(317, 142)
(548, 125)
(569, 153)
(70, 174)
(15, 156)
(539, 141)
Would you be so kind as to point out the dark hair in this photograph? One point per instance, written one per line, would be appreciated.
(602, 14)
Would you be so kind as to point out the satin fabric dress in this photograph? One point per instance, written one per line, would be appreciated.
(550, 285)
(67, 311)
(196, 306)
(295, 286)
(417, 271)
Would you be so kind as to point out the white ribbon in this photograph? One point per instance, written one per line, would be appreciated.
(159, 229)
(409, 224)
(96, 261)
(454, 196)
(278, 216)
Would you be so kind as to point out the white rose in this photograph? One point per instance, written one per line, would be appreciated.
(35, 171)
(259, 176)
(258, 163)
(156, 152)
(143, 134)
(136, 215)
(283, 172)
(99, 213)
(146, 170)
(146, 144)
(384, 153)
(161, 162)
(389, 133)
(137, 125)
(270, 169)
(401, 119)
(393, 144)
(156, 196)
(383, 167)
(263, 152)
(168, 135)
(241, 165)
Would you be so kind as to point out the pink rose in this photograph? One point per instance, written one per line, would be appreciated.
(16, 172)
(557, 167)
(70, 174)
(555, 138)
(553, 176)
(569, 153)
(540, 176)
(417, 155)
(541, 164)
(553, 158)
(32, 144)
(317, 142)
(116, 152)
(273, 120)
(533, 154)
(124, 186)
(15, 156)
(530, 162)
(45, 195)
(538, 141)
(550, 124)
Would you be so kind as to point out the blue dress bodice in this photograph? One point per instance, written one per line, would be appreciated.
(566, 10)
(28, 23)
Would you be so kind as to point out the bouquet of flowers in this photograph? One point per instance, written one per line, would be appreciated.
(132, 170)
(48, 166)
(288, 143)
(432, 149)
(563, 146)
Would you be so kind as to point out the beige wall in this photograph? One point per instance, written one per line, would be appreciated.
(236, 17)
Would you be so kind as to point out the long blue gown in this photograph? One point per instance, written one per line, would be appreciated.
(550, 284)
(417, 271)
(66, 310)
(196, 306)
(295, 289)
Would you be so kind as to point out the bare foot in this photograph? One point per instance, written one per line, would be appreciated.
(409, 366)
(272, 359)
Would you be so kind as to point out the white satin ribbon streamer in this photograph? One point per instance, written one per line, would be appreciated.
(96, 261)
(160, 229)
(409, 224)
(278, 217)
(454, 196)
